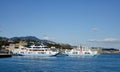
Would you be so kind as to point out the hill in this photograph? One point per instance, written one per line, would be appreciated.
(31, 38)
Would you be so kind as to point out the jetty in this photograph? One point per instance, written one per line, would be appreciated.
(4, 55)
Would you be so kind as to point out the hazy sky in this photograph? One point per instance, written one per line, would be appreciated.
(95, 22)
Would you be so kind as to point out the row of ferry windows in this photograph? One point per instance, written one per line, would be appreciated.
(78, 53)
(38, 47)
(38, 52)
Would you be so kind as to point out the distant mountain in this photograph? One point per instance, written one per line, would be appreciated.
(3, 38)
(48, 41)
(110, 49)
(26, 38)
(31, 38)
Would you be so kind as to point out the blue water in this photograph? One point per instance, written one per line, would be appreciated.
(101, 63)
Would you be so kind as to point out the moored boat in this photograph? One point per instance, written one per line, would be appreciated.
(37, 50)
(81, 51)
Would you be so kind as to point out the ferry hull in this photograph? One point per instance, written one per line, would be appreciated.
(38, 54)
(82, 55)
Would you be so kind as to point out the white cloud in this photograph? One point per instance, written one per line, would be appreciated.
(109, 42)
(48, 38)
(109, 39)
(95, 29)
(105, 45)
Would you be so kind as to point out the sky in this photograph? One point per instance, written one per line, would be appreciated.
(91, 22)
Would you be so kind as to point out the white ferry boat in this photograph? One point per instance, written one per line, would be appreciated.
(37, 50)
(81, 51)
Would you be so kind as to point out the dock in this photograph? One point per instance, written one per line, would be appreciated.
(4, 55)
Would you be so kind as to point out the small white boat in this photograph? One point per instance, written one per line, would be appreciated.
(37, 50)
(81, 51)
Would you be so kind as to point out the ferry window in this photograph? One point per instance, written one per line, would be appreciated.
(76, 52)
(34, 50)
(87, 53)
(22, 52)
(83, 49)
(42, 52)
(29, 52)
(39, 52)
(16, 48)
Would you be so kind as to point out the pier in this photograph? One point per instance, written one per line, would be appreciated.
(4, 55)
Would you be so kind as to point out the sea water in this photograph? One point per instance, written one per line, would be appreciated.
(101, 63)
